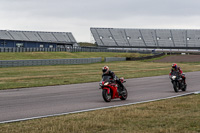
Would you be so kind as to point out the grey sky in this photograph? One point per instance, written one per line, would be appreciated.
(77, 16)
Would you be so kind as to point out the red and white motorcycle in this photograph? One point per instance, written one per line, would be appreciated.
(110, 89)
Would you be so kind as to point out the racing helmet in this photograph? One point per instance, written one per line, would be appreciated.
(174, 66)
(105, 69)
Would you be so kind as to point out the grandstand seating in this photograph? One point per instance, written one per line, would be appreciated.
(36, 36)
(134, 37)
(193, 38)
(164, 38)
(146, 38)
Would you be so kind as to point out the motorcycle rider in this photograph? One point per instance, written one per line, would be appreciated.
(107, 72)
(178, 69)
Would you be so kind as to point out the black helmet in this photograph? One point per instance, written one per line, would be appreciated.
(105, 69)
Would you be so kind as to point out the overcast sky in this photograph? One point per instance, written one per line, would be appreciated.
(77, 16)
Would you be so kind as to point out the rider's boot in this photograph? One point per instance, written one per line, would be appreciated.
(185, 83)
(119, 90)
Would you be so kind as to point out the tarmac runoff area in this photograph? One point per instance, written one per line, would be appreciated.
(39, 102)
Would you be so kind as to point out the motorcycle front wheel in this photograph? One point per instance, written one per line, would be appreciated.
(185, 87)
(106, 96)
(175, 86)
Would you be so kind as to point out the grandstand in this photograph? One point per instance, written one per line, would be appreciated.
(147, 38)
(36, 39)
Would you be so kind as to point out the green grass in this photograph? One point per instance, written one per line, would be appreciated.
(177, 115)
(63, 55)
(85, 44)
(19, 77)
(153, 59)
(174, 115)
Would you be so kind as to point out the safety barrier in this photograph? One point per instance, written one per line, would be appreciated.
(71, 49)
(15, 63)
(109, 59)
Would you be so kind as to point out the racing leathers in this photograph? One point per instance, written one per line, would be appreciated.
(180, 73)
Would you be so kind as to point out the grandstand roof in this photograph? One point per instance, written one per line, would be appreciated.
(38, 36)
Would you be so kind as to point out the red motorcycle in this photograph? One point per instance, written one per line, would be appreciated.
(110, 89)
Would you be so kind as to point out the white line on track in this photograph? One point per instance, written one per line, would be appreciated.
(80, 111)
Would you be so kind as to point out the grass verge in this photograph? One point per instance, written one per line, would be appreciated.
(64, 55)
(86, 44)
(20, 77)
(177, 115)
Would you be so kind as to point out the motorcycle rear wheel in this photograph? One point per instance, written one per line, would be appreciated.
(124, 95)
(107, 97)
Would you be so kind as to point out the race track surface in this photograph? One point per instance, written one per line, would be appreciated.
(41, 101)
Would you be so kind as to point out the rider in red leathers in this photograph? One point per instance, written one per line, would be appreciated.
(178, 69)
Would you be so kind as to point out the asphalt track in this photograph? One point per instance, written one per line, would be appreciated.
(42, 101)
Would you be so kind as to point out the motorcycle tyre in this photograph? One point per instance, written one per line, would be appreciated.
(185, 87)
(175, 86)
(105, 96)
(124, 96)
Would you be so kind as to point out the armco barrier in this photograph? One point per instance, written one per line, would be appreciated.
(15, 63)
(109, 59)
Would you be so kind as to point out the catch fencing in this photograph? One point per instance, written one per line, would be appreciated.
(72, 49)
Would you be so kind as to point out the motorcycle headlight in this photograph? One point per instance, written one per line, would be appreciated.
(106, 83)
(173, 77)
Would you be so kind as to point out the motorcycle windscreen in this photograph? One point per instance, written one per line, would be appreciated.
(106, 78)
